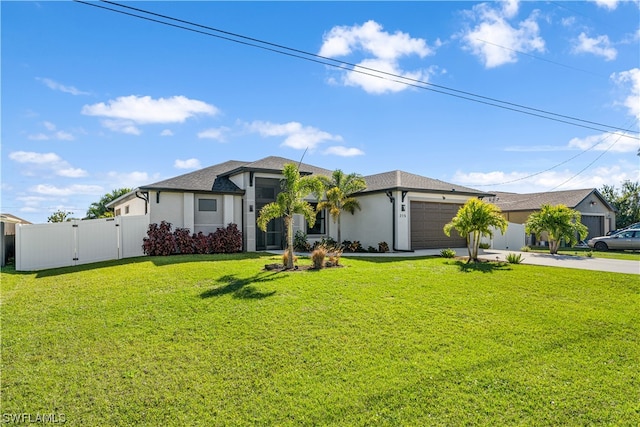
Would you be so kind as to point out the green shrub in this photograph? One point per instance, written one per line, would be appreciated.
(514, 258)
(589, 254)
(525, 249)
(484, 245)
(447, 253)
(300, 242)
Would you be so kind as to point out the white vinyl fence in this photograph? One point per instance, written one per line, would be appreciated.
(513, 239)
(41, 246)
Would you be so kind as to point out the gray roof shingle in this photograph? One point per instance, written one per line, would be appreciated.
(534, 201)
(407, 181)
(200, 180)
(216, 178)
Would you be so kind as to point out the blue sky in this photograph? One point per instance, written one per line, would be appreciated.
(94, 100)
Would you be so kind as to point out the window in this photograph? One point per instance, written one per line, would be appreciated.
(126, 209)
(117, 212)
(319, 226)
(207, 205)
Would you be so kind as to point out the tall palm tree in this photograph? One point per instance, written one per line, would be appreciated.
(339, 190)
(475, 219)
(291, 201)
(99, 209)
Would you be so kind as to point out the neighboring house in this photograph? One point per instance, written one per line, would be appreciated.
(596, 213)
(405, 210)
(8, 232)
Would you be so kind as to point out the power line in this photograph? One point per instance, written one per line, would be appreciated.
(343, 65)
(598, 142)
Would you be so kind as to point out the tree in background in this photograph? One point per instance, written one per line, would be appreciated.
(626, 201)
(559, 222)
(291, 201)
(99, 209)
(475, 219)
(339, 190)
(60, 216)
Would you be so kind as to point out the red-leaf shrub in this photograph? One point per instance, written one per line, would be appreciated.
(160, 240)
(184, 241)
(226, 240)
(200, 243)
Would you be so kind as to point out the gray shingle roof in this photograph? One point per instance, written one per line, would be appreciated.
(200, 180)
(216, 178)
(534, 201)
(276, 164)
(407, 181)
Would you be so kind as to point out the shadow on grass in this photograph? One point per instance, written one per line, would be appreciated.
(158, 261)
(241, 288)
(482, 267)
(389, 259)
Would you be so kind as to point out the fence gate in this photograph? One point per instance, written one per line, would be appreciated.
(42, 246)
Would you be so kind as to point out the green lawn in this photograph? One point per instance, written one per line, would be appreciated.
(214, 340)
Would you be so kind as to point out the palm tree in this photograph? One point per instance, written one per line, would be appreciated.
(99, 209)
(339, 190)
(291, 201)
(475, 219)
(559, 222)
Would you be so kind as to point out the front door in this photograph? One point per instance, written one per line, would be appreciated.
(267, 190)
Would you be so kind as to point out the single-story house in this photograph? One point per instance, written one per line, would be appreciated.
(8, 232)
(596, 213)
(405, 210)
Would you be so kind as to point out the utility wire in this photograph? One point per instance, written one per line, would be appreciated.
(300, 54)
(598, 142)
(590, 164)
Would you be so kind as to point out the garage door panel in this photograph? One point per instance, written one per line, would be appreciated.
(427, 221)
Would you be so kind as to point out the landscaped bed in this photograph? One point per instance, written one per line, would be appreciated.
(216, 340)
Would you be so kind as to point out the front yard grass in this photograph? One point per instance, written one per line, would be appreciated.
(214, 340)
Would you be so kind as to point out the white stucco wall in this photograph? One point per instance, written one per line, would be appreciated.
(372, 224)
(169, 207)
(136, 207)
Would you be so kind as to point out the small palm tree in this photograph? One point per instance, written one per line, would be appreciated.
(339, 190)
(559, 222)
(291, 201)
(475, 219)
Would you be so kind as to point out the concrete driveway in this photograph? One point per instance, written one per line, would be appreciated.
(568, 261)
(532, 258)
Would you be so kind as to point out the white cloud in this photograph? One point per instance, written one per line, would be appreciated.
(342, 151)
(618, 143)
(48, 160)
(36, 158)
(607, 4)
(599, 46)
(145, 110)
(53, 134)
(53, 85)
(296, 136)
(130, 179)
(72, 172)
(630, 79)
(166, 132)
(76, 189)
(187, 164)
(495, 40)
(381, 51)
(123, 126)
(218, 134)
